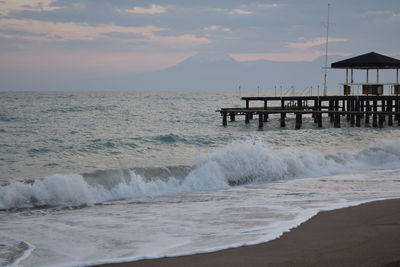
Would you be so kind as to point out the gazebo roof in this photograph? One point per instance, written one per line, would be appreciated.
(370, 60)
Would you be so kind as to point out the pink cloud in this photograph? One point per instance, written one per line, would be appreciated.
(66, 31)
(239, 11)
(284, 57)
(61, 31)
(313, 42)
(151, 10)
(92, 63)
(22, 5)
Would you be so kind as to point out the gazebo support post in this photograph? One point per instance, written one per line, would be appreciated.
(351, 76)
(377, 75)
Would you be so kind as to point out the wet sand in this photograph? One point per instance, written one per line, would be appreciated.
(364, 235)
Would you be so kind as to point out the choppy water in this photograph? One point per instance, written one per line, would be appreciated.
(90, 177)
(46, 133)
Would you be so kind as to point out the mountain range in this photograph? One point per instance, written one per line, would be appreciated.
(221, 72)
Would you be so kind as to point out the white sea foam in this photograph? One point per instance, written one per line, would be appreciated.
(191, 223)
(275, 230)
(12, 251)
(250, 161)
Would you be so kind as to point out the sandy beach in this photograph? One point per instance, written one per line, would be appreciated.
(364, 235)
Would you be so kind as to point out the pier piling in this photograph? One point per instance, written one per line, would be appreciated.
(260, 120)
(389, 109)
(368, 108)
(232, 116)
(224, 122)
(381, 120)
(319, 115)
(298, 121)
(283, 124)
(374, 115)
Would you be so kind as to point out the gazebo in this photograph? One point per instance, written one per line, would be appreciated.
(367, 62)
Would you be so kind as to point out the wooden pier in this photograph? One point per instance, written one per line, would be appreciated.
(373, 110)
(370, 108)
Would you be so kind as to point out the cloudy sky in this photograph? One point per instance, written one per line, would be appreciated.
(62, 40)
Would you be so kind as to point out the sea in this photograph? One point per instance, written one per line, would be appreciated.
(90, 177)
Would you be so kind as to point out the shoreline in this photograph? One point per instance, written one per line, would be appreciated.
(362, 235)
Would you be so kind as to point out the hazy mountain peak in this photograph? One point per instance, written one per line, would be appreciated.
(210, 57)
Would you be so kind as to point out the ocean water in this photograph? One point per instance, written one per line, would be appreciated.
(98, 177)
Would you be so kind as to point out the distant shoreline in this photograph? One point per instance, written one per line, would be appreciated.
(364, 235)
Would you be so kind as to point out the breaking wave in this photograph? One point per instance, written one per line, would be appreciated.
(249, 161)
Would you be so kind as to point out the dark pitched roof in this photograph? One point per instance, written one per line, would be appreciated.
(370, 60)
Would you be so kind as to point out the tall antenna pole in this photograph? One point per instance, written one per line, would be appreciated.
(326, 54)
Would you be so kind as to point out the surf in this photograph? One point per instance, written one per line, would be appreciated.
(241, 163)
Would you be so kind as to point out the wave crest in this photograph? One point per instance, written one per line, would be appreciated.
(249, 161)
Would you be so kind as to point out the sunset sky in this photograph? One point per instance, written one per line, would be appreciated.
(72, 39)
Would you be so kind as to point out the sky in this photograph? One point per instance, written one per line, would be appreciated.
(50, 42)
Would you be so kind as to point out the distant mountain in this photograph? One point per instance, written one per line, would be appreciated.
(208, 58)
(221, 72)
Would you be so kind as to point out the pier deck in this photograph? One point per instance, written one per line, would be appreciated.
(377, 110)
